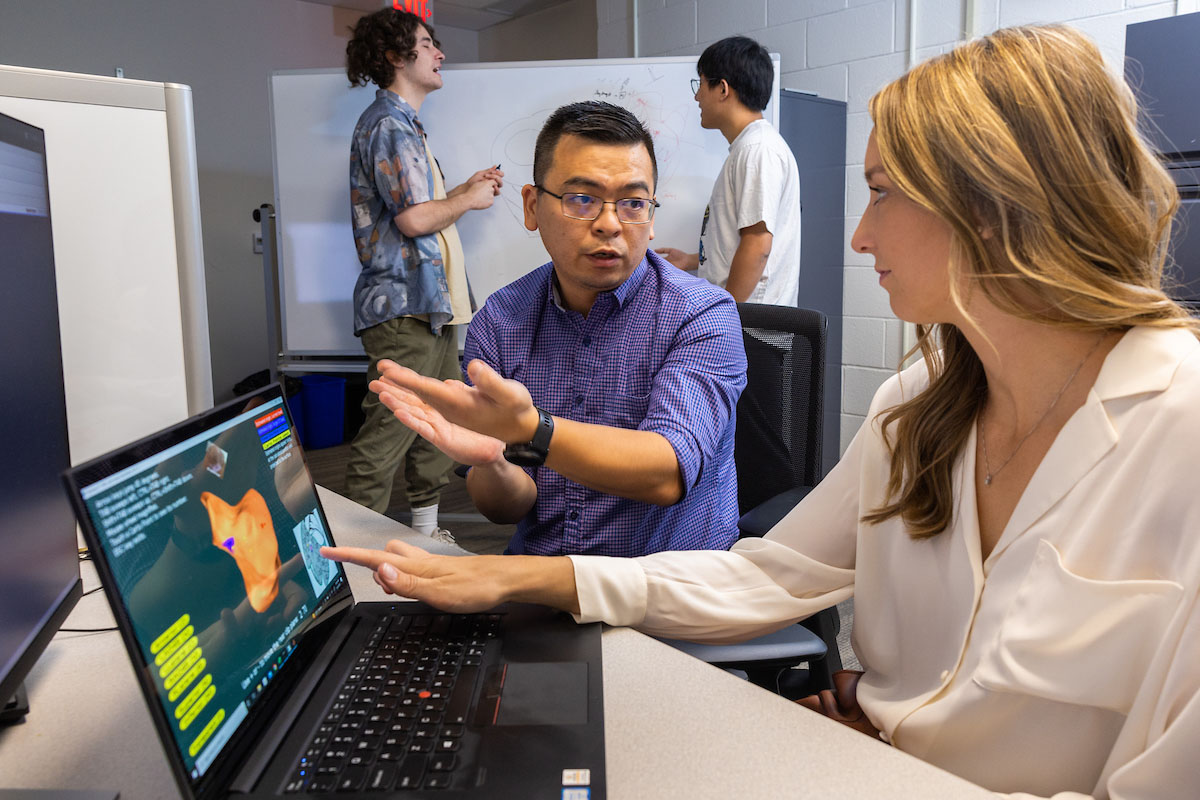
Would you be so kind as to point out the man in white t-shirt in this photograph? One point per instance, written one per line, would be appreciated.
(750, 237)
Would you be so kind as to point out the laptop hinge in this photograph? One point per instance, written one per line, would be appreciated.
(268, 745)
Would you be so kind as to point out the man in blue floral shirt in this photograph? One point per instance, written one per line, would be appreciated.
(413, 286)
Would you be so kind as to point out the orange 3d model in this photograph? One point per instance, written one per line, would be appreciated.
(245, 532)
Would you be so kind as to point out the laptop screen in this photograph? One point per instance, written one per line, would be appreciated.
(211, 532)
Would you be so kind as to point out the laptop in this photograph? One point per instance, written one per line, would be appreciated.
(263, 676)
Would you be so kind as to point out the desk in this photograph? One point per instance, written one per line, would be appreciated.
(675, 727)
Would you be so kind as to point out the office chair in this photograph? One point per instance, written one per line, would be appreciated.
(777, 451)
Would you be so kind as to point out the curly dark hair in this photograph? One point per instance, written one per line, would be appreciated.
(373, 37)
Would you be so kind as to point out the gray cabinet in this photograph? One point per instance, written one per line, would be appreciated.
(1162, 63)
(815, 129)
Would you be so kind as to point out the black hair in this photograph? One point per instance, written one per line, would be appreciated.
(373, 37)
(742, 63)
(595, 121)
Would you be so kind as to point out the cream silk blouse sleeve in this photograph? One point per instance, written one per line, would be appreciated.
(1067, 664)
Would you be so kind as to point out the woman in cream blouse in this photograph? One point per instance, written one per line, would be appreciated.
(1017, 520)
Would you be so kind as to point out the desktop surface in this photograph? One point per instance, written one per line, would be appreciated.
(675, 727)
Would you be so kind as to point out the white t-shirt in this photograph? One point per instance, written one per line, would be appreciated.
(759, 182)
(453, 260)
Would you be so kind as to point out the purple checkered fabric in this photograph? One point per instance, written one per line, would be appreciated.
(662, 353)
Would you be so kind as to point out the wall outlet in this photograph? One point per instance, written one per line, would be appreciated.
(256, 242)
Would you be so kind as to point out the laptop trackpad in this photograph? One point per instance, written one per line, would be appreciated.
(544, 694)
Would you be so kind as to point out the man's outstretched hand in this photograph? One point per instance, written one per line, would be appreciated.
(461, 444)
(495, 406)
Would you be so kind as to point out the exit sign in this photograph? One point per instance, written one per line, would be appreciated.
(421, 8)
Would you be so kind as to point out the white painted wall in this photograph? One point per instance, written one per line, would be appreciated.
(846, 50)
(460, 46)
(567, 30)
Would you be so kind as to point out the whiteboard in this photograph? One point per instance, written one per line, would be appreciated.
(485, 114)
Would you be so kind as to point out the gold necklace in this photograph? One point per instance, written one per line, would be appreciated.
(987, 467)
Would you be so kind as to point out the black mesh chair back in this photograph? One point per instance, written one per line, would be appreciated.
(780, 413)
(777, 450)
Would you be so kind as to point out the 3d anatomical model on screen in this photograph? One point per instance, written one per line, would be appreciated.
(246, 532)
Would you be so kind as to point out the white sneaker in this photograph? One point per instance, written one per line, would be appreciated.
(444, 536)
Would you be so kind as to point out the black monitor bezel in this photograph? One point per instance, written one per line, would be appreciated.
(23, 664)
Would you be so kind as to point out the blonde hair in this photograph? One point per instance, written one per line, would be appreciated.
(1028, 148)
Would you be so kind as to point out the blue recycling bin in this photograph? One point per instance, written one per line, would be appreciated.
(324, 411)
(295, 404)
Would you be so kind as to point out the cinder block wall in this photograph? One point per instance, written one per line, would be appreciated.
(846, 50)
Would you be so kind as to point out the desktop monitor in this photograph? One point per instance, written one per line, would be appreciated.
(39, 560)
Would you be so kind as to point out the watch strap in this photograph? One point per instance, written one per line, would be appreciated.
(533, 453)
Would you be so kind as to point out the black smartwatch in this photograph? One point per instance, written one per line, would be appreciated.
(533, 453)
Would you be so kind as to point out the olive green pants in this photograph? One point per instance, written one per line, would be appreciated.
(383, 443)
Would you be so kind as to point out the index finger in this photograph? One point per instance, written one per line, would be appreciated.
(404, 549)
(382, 387)
(385, 364)
(405, 378)
(362, 556)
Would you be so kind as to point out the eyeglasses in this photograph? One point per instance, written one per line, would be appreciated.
(631, 210)
(695, 85)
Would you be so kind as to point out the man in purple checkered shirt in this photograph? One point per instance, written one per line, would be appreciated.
(600, 417)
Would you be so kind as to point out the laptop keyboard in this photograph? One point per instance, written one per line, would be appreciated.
(399, 719)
